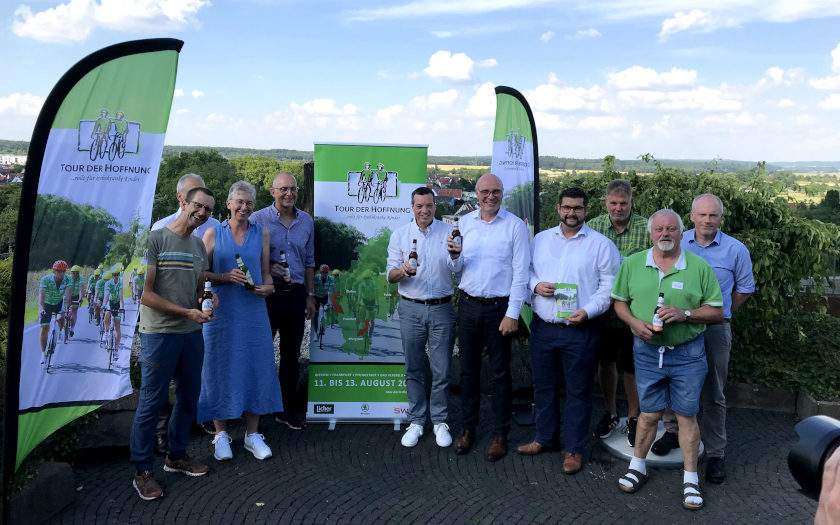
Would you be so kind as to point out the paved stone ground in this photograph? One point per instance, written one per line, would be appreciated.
(361, 474)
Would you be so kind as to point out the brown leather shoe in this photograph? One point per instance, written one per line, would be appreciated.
(464, 442)
(532, 449)
(497, 448)
(572, 463)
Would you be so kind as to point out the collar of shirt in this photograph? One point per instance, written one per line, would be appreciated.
(582, 232)
(691, 235)
(679, 265)
(501, 215)
(277, 214)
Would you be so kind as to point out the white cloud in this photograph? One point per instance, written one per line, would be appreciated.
(804, 119)
(75, 20)
(21, 104)
(781, 77)
(743, 118)
(601, 123)
(489, 62)
(826, 83)
(584, 33)
(384, 115)
(483, 103)
(701, 98)
(776, 74)
(641, 77)
(445, 65)
(324, 107)
(786, 103)
(548, 97)
(431, 8)
(548, 35)
(182, 111)
(550, 121)
(440, 100)
(835, 58)
(695, 19)
(179, 92)
(832, 102)
(196, 93)
(215, 117)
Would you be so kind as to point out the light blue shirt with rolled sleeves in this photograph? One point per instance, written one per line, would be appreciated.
(298, 240)
(731, 262)
(434, 273)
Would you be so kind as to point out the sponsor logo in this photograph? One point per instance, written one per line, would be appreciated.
(515, 144)
(365, 409)
(109, 135)
(372, 184)
(324, 409)
(398, 411)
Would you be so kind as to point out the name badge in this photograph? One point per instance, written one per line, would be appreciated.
(676, 285)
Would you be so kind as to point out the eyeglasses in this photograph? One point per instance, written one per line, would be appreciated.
(290, 189)
(200, 206)
(576, 209)
(495, 193)
(240, 202)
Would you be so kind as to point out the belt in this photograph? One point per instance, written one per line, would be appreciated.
(484, 300)
(278, 287)
(429, 302)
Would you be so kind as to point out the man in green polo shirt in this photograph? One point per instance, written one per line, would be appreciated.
(670, 355)
(628, 231)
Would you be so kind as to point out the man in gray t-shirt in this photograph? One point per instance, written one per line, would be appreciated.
(172, 342)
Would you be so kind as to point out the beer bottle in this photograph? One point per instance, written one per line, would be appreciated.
(287, 280)
(207, 299)
(456, 235)
(239, 262)
(657, 322)
(412, 257)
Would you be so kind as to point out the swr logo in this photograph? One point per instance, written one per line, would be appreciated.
(398, 410)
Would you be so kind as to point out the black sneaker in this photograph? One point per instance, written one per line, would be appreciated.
(715, 470)
(606, 426)
(668, 442)
(290, 420)
(631, 430)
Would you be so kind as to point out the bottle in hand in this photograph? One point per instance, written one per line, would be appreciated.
(657, 322)
(287, 280)
(412, 257)
(244, 269)
(456, 236)
(207, 300)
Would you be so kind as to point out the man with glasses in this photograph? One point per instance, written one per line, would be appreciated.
(293, 232)
(185, 185)
(572, 272)
(493, 262)
(670, 356)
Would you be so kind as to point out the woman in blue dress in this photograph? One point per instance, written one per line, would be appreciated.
(239, 375)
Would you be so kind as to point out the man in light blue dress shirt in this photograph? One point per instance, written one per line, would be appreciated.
(493, 263)
(425, 312)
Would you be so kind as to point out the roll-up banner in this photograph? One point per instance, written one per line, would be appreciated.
(516, 161)
(86, 202)
(515, 156)
(356, 363)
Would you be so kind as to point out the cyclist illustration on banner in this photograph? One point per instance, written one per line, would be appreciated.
(109, 136)
(515, 143)
(373, 185)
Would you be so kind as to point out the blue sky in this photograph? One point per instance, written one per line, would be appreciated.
(747, 79)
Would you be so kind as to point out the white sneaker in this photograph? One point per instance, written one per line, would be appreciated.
(442, 437)
(255, 444)
(222, 443)
(412, 434)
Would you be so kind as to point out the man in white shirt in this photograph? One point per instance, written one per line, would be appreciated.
(185, 184)
(572, 271)
(425, 312)
(493, 263)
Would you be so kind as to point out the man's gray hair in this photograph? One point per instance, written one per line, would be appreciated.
(665, 211)
(621, 186)
(242, 186)
(183, 180)
(711, 196)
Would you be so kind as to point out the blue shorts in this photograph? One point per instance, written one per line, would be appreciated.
(678, 383)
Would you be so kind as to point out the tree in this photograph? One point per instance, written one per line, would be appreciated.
(217, 172)
(336, 243)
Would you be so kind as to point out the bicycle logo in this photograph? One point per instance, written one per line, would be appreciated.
(109, 136)
(515, 143)
(372, 184)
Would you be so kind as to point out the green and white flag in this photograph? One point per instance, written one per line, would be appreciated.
(362, 193)
(515, 156)
(87, 197)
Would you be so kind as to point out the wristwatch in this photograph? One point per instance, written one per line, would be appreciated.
(687, 314)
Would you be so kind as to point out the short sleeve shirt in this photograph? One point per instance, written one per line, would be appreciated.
(179, 263)
(77, 286)
(689, 284)
(114, 291)
(55, 292)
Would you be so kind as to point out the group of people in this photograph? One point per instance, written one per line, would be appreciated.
(620, 292)
(61, 295)
(222, 357)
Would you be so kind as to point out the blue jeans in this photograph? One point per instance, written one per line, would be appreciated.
(162, 357)
(561, 353)
(677, 384)
(436, 324)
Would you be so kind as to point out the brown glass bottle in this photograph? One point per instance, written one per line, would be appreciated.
(413, 260)
(207, 299)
